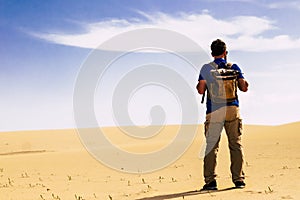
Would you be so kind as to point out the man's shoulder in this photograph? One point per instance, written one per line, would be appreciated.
(207, 66)
(205, 71)
(235, 66)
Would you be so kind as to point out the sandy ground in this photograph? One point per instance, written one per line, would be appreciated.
(54, 164)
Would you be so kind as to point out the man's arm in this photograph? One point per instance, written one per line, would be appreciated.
(243, 84)
(201, 86)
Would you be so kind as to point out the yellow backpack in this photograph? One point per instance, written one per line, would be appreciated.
(223, 88)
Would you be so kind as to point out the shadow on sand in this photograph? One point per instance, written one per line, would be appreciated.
(185, 194)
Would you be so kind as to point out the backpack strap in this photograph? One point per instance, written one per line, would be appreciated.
(215, 66)
(203, 96)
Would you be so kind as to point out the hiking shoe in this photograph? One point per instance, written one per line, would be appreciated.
(210, 186)
(239, 184)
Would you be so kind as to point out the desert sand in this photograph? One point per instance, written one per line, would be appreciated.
(54, 164)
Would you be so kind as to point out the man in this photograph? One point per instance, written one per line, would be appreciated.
(221, 114)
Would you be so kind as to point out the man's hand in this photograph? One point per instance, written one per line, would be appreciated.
(201, 86)
(243, 85)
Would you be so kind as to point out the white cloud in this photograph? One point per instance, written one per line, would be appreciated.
(261, 44)
(244, 33)
(285, 5)
(271, 4)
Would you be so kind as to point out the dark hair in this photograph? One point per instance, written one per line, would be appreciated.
(217, 47)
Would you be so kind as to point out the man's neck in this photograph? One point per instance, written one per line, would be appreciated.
(217, 57)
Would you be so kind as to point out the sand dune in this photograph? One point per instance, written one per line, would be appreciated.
(54, 164)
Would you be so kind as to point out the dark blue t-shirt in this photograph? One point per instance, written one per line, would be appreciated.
(206, 75)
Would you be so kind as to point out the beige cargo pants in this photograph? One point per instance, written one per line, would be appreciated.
(229, 118)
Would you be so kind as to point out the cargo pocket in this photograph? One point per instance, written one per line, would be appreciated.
(240, 126)
(206, 124)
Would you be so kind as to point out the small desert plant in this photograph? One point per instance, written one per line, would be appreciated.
(25, 175)
(56, 197)
(160, 178)
(270, 190)
(78, 197)
(10, 182)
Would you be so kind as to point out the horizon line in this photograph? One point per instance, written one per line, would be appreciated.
(109, 126)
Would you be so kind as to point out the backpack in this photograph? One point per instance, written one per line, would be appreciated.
(223, 88)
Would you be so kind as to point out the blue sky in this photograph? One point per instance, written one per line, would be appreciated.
(45, 43)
